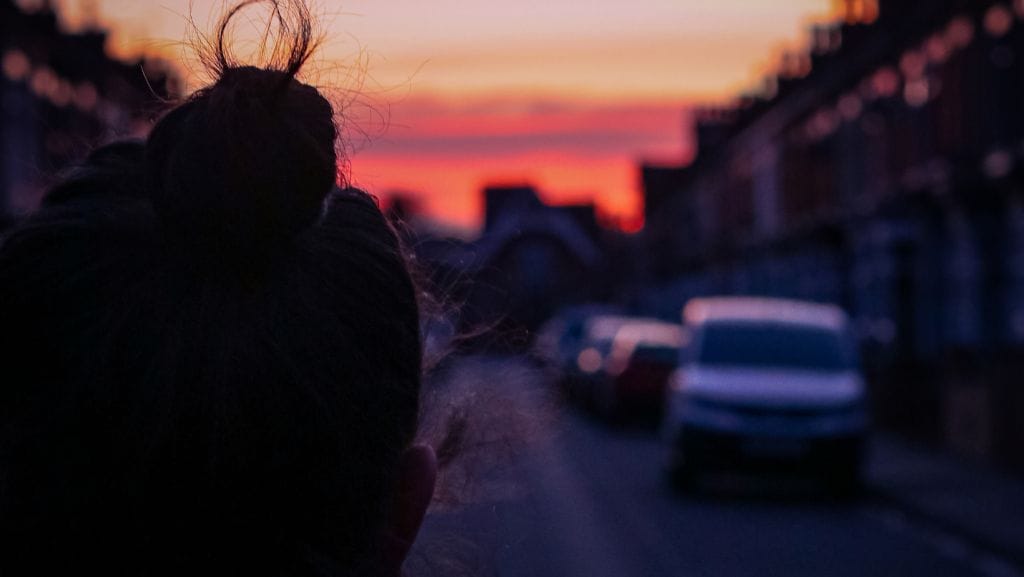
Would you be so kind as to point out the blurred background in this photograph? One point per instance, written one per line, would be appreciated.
(571, 176)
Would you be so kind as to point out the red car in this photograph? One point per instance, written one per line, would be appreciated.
(643, 355)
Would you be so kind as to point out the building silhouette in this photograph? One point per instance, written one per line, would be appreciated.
(62, 94)
(880, 170)
(530, 260)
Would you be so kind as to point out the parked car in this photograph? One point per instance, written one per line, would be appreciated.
(642, 355)
(589, 366)
(766, 383)
(558, 342)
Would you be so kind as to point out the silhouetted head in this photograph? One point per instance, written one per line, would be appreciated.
(210, 352)
(246, 163)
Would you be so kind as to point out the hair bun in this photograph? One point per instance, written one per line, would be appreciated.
(246, 162)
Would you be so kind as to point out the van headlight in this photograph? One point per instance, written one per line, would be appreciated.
(695, 411)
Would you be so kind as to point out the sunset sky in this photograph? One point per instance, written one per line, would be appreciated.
(446, 96)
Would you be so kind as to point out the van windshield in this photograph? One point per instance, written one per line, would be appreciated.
(778, 345)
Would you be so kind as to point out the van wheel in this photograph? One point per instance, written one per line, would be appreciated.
(681, 476)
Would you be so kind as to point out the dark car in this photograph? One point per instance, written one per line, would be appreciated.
(562, 340)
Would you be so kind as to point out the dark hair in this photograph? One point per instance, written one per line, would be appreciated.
(210, 352)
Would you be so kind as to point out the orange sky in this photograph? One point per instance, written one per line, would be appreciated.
(572, 151)
(452, 94)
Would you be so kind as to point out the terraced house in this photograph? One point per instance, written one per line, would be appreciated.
(880, 170)
(61, 93)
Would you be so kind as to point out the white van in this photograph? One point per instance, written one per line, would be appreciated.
(765, 383)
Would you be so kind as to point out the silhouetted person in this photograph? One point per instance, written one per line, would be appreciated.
(210, 354)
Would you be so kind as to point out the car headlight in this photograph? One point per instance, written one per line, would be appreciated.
(589, 360)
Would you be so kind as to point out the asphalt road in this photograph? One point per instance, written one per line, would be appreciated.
(581, 499)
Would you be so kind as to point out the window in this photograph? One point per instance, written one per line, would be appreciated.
(768, 344)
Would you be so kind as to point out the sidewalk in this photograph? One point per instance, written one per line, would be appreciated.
(978, 504)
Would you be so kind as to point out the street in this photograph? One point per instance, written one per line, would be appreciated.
(587, 500)
(264, 264)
